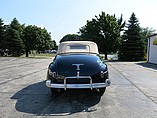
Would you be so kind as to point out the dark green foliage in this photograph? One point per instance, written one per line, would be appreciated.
(44, 41)
(132, 48)
(145, 33)
(1, 33)
(70, 37)
(16, 37)
(36, 38)
(55, 47)
(13, 37)
(121, 23)
(105, 31)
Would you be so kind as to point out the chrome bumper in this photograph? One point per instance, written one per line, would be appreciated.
(75, 86)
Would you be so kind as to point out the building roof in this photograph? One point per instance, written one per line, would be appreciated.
(152, 35)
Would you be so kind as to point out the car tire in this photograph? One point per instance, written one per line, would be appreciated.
(102, 90)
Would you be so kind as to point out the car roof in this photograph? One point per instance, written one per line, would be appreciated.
(77, 47)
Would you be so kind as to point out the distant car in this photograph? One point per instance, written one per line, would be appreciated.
(77, 65)
(53, 51)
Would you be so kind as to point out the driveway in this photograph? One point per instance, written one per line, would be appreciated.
(23, 94)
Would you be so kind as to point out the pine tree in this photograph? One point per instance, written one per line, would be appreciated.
(132, 48)
(13, 37)
(1, 33)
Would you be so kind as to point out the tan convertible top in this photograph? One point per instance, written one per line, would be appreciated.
(77, 47)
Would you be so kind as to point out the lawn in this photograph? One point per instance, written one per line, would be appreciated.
(39, 56)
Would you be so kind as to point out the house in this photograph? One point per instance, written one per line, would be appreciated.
(152, 49)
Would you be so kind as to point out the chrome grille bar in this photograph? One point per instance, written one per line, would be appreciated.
(77, 77)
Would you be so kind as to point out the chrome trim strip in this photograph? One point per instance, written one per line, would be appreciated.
(77, 66)
(78, 74)
(77, 77)
(102, 72)
(75, 86)
(91, 83)
(65, 85)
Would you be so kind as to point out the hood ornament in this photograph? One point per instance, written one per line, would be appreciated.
(78, 69)
(77, 66)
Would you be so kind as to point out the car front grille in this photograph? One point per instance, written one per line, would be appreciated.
(80, 80)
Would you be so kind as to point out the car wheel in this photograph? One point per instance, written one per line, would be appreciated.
(54, 90)
(102, 90)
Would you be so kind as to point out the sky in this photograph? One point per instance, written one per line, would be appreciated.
(61, 17)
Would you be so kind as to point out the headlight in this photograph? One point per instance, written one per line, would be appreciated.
(102, 73)
(53, 74)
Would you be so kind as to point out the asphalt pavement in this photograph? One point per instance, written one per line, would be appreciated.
(23, 94)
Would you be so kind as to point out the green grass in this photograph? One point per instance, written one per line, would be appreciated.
(39, 56)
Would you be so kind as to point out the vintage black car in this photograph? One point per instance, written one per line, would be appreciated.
(77, 65)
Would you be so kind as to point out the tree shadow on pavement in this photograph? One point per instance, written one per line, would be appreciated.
(148, 65)
(37, 99)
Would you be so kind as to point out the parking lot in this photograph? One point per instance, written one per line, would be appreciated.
(23, 94)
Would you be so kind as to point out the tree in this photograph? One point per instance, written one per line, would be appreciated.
(132, 47)
(70, 37)
(121, 23)
(55, 47)
(13, 38)
(44, 41)
(29, 37)
(17, 37)
(1, 34)
(105, 31)
(145, 33)
(36, 38)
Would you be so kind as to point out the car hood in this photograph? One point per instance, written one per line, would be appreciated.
(68, 65)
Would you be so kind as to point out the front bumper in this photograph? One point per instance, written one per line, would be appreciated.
(78, 86)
